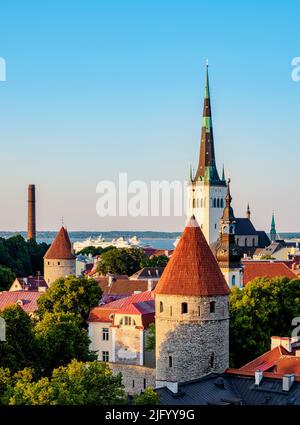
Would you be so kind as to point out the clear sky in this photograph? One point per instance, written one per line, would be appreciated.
(98, 87)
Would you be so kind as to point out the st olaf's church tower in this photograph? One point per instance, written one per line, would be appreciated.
(206, 192)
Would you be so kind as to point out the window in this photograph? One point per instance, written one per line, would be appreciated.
(194, 203)
(245, 241)
(127, 321)
(212, 306)
(215, 203)
(58, 263)
(199, 310)
(215, 226)
(170, 361)
(171, 311)
(233, 280)
(133, 383)
(218, 203)
(105, 334)
(105, 356)
(161, 307)
(237, 241)
(212, 360)
(201, 202)
(222, 205)
(231, 229)
(144, 384)
(184, 308)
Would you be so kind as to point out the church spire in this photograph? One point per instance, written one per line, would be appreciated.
(207, 169)
(273, 232)
(248, 213)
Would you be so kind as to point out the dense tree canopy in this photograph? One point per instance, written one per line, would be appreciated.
(127, 261)
(60, 338)
(24, 258)
(95, 250)
(77, 383)
(70, 295)
(7, 277)
(148, 397)
(19, 349)
(264, 308)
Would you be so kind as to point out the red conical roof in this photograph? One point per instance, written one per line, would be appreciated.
(192, 269)
(60, 248)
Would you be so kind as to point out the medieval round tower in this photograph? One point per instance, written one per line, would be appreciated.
(59, 260)
(192, 312)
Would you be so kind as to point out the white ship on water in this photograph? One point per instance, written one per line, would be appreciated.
(100, 242)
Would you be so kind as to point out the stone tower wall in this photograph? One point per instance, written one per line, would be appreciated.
(53, 269)
(197, 341)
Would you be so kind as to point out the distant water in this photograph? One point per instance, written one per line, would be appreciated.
(158, 240)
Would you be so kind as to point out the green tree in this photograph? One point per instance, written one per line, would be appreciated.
(70, 295)
(95, 250)
(5, 385)
(150, 340)
(36, 252)
(159, 261)
(148, 397)
(264, 308)
(19, 349)
(121, 261)
(6, 278)
(77, 383)
(60, 338)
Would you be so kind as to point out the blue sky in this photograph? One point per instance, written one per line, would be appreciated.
(98, 87)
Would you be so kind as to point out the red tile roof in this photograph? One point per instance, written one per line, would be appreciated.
(60, 248)
(270, 269)
(122, 286)
(27, 300)
(278, 361)
(192, 269)
(138, 304)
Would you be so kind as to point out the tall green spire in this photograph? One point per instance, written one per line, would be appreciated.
(207, 169)
(273, 232)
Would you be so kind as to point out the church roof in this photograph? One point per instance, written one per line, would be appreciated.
(60, 248)
(243, 226)
(192, 269)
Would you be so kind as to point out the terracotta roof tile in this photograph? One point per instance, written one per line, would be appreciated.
(256, 269)
(192, 269)
(60, 248)
(27, 300)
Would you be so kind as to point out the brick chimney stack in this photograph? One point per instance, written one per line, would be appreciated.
(31, 229)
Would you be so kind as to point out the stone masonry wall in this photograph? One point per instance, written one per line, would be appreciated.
(53, 269)
(197, 341)
(134, 378)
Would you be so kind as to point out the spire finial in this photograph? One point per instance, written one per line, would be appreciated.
(206, 63)
(62, 221)
(248, 213)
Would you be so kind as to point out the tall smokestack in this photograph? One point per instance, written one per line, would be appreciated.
(31, 230)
